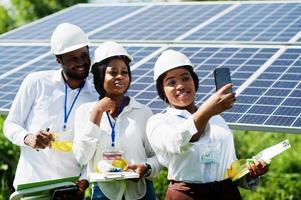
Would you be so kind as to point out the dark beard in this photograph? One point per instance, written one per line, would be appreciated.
(73, 75)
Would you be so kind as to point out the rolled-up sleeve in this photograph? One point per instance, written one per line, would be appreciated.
(165, 136)
(87, 135)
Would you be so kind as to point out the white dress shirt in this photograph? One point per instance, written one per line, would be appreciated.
(203, 161)
(130, 137)
(39, 104)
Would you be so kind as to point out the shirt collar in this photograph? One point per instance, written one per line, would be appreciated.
(88, 87)
(58, 76)
(175, 111)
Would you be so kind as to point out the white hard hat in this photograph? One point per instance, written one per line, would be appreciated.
(109, 49)
(168, 60)
(67, 37)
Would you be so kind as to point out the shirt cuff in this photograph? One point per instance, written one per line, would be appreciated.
(20, 139)
(189, 130)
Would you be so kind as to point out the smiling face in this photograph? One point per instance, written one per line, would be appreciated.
(76, 64)
(117, 79)
(179, 88)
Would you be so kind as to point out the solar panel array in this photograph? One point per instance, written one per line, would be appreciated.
(258, 41)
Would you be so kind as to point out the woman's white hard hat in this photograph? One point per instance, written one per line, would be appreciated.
(66, 38)
(168, 60)
(109, 49)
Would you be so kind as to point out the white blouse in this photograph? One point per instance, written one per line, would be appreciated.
(203, 161)
(130, 137)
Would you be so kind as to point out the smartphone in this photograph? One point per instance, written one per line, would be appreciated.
(222, 77)
(63, 192)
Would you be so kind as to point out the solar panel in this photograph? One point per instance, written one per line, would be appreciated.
(14, 56)
(277, 22)
(9, 84)
(161, 22)
(250, 38)
(243, 62)
(274, 98)
(88, 18)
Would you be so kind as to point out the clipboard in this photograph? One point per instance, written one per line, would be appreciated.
(111, 176)
(239, 168)
(41, 190)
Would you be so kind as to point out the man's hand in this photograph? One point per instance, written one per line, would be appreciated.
(79, 194)
(40, 140)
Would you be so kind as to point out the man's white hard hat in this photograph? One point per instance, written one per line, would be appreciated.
(66, 38)
(109, 49)
(168, 60)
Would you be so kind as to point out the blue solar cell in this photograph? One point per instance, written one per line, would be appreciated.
(238, 108)
(285, 84)
(292, 77)
(253, 91)
(295, 93)
(261, 83)
(259, 109)
(288, 111)
(252, 119)
(231, 117)
(271, 76)
(277, 92)
(280, 121)
(297, 123)
(147, 95)
(246, 99)
(292, 102)
(12, 57)
(254, 22)
(269, 100)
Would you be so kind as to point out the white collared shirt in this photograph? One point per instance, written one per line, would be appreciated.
(39, 104)
(169, 134)
(91, 140)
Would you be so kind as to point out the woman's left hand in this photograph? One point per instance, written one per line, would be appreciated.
(258, 168)
(140, 169)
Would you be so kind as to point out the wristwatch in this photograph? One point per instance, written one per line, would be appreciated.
(149, 170)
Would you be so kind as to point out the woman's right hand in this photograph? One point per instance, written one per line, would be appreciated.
(219, 101)
(106, 104)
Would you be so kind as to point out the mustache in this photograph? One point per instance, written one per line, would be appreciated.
(85, 65)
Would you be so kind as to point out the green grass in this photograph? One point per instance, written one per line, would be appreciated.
(282, 182)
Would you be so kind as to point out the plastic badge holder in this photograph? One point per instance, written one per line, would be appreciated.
(62, 141)
(114, 158)
(112, 168)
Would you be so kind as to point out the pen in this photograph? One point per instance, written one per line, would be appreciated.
(47, 129)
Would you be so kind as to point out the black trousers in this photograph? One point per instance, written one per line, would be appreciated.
(222, 190)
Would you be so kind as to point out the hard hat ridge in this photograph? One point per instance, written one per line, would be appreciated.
(110, 49)
(66, 38)
(168, 60)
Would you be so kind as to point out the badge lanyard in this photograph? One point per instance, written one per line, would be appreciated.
(67, 113)
(112, 125)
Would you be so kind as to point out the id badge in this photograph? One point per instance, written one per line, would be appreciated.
(112, 154)
(211, 153)
(112, 161)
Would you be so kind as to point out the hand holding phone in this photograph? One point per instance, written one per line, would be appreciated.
(222, 77)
